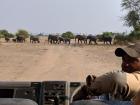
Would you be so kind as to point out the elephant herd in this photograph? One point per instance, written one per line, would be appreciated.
(20, 39)
(55, 39)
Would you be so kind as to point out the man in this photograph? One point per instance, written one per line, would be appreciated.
(136, 99)
(121, 85)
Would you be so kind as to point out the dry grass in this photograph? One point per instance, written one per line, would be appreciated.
(25, 61)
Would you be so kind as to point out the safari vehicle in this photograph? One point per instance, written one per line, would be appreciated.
(46, 93)
(43, 93)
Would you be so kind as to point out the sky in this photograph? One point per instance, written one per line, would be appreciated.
(58, 16)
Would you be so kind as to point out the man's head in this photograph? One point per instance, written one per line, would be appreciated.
(130, 57)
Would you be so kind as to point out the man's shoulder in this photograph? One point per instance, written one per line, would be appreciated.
(123, 72)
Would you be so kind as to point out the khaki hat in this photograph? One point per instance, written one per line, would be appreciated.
(131, 50)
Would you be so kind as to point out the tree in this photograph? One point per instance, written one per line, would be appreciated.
(121, 38)
(68, 34)
(107, 34)
(22, 33)
(4, 33)
(1, 36)
(132, 18)
(131, 5)
(10, 35)
(134, 35)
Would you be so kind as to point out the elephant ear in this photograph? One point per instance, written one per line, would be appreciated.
(90, 79)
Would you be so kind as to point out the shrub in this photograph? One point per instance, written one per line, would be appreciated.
(133, 36)
(22, 33)
(121, 39)
(68, 35)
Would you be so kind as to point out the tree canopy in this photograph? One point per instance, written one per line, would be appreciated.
(22, 33)
(107, 34)
(5, 33)
(132, 18)
(68, 34)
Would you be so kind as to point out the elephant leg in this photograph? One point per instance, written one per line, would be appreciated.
(56, 42)
(85, 41)
(89, 41)
(95, 42)
(78, 41)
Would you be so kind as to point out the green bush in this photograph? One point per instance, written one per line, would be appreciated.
(121, 39)
(5, 33)
(1, 35)
(68, 35)
(22, 33)
(133, 36)
(107, 34)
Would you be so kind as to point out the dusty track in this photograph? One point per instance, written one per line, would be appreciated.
(55, 62)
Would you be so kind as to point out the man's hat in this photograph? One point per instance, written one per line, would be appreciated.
(131, 50)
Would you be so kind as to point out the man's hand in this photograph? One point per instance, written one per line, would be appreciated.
(90, 79)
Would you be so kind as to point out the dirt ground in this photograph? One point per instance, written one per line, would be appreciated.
(42, 62)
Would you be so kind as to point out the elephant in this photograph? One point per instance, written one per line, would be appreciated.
(20, 39)
(105, 39)
(53, 39)
(67, 40)
(64, 40)
(61, 39)
(92, 38)
(81, 38)
(14, 40)
(34, 39)
(7, 39)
